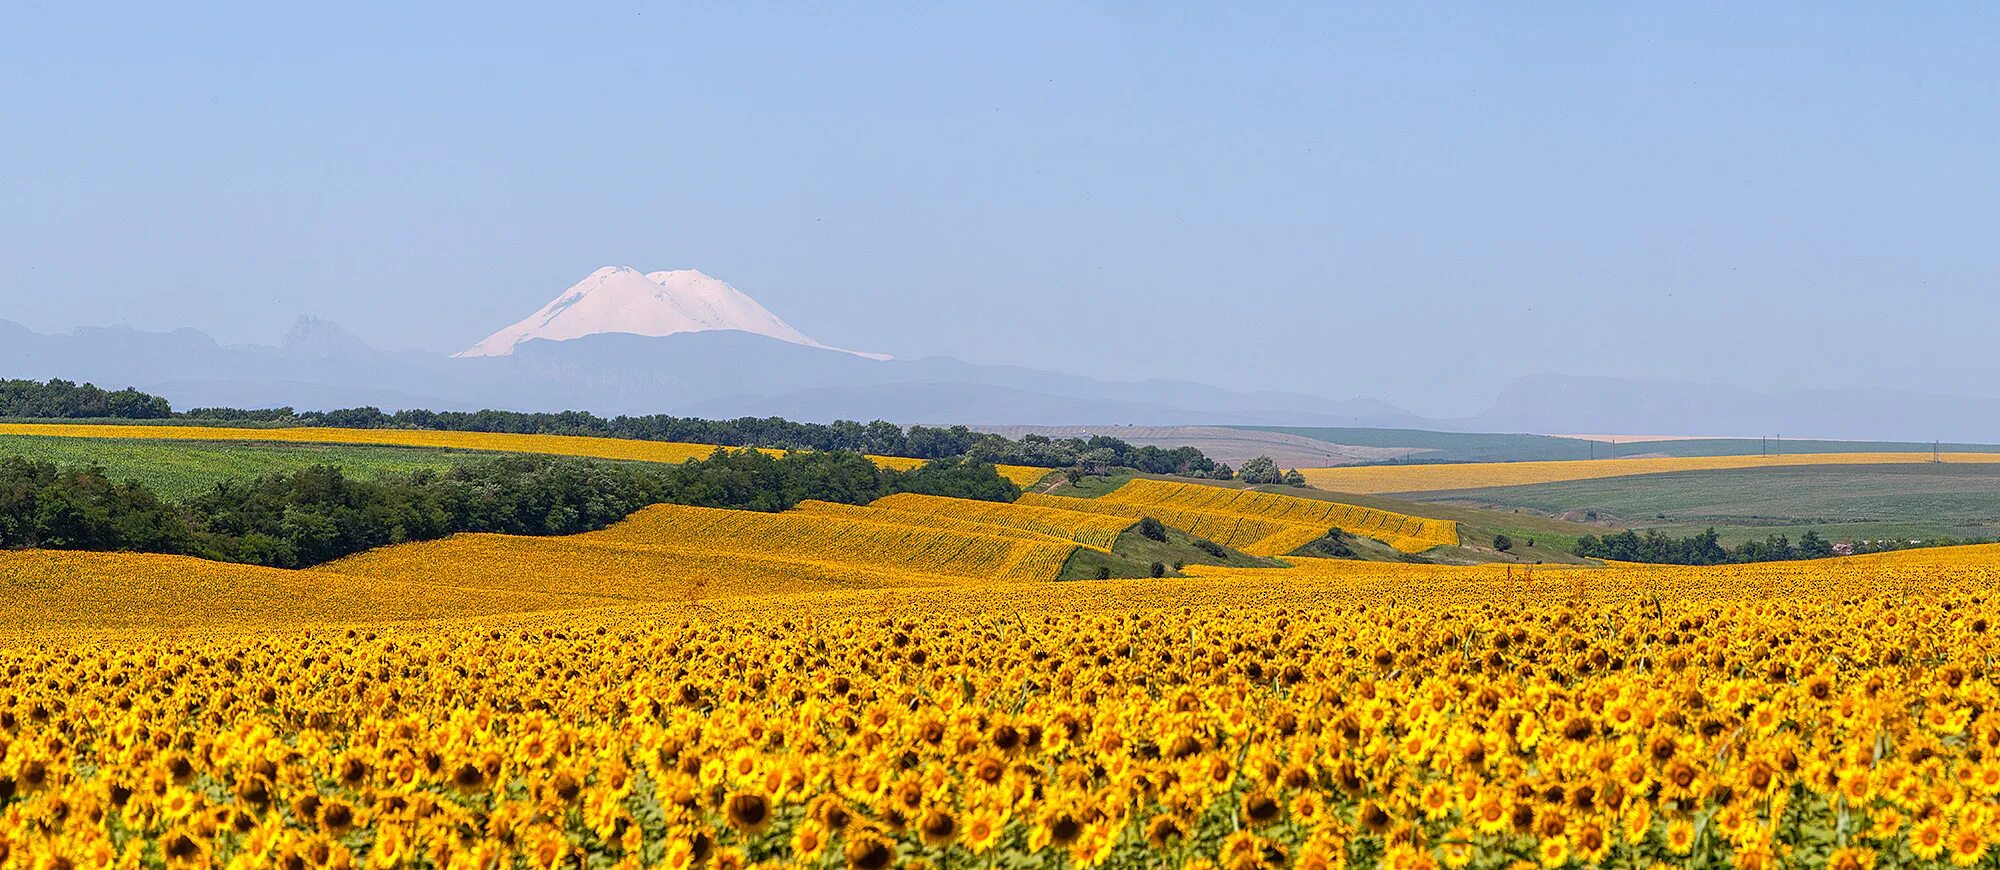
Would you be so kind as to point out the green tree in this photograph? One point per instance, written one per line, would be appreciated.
(1812, 546)
(1259, 470)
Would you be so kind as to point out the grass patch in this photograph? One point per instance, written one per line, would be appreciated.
(178, 470)
(1133, 555)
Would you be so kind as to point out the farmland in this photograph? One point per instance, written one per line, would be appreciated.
(557, 445)
(179, 460)
(913, 681)
(1911, 500)
(178, 469)
(1417, 478)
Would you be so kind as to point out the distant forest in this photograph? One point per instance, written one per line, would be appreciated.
(58, 399)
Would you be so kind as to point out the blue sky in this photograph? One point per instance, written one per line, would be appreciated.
(1408, 202)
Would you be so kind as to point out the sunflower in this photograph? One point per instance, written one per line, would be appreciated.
(1554, 851)
(829, 810)
(1490, 815)
(1456, 848)
(937, 827)
(809, 841)
(1927, 838)
(1242, 850)
(1405, 856)
(869, 852)
(1680, 836)
(1968, 846)
(1436, 800)
(1061, 828)
(1163, 831)
(181, 849)
(748, 812)
(983, 827)
(1373, 817)
(1259, 809)
(337, 818)
(1638, 823)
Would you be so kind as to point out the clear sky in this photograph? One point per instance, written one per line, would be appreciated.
(1392, 200)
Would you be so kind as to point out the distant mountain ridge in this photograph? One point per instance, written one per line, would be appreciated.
(711, 373)
(683, 342)
(620, 300)
(730, 373)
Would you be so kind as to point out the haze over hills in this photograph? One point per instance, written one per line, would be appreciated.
(683, 342)
(622, 342)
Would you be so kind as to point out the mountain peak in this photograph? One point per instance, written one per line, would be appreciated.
(313, 337)
(619, 299)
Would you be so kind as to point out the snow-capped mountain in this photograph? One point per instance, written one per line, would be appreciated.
(618, 299)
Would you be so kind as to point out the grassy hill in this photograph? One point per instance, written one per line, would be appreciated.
(1134, 554)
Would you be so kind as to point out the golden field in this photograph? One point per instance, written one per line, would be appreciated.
(1087, 528)
(1384, 479)
(1023, 476)
(655, 695)
(1258, 523)
(502, 442)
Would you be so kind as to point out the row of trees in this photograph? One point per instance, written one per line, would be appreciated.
(317, 514)
(1700, 549)
(67, 400)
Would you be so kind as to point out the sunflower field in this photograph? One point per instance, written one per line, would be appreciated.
(1838, 713)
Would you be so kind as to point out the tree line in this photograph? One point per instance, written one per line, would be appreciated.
(67, 400)
(317, 514)
(1700, 549)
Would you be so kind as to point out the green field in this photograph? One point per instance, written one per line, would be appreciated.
(180, 469)
(1426, 446)
(1839, 501)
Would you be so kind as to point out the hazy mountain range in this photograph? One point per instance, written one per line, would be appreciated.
(681, 342)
